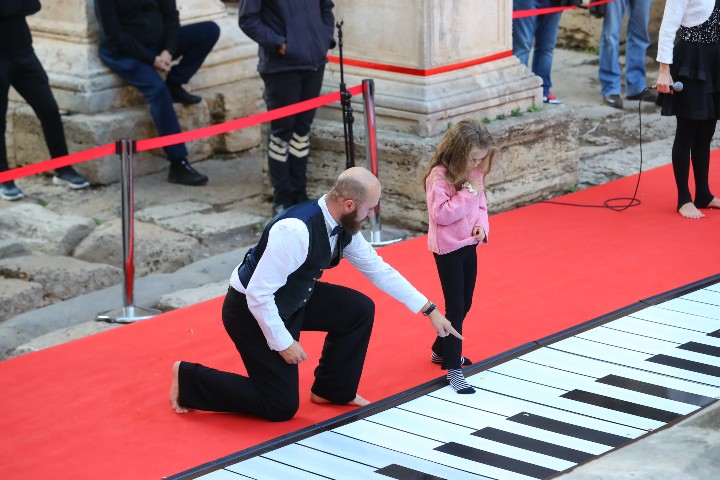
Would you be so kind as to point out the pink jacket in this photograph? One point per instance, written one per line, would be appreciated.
(453, 213)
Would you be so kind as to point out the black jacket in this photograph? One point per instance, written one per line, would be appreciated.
(305, 26)
(15, 37)
(133, 27)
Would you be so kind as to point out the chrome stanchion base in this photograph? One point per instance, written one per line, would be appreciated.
(383, 237)
(127, 314)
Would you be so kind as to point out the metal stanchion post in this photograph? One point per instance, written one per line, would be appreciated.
(375, 236)
(129, 313)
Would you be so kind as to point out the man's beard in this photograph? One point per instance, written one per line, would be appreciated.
(349, 224)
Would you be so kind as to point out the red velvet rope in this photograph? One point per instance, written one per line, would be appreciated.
(544, 11)
(188, 136)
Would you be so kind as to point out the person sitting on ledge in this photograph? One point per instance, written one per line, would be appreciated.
(139, 40)
(275, 294)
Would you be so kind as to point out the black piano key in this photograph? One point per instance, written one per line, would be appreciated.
(533, 445)
(403, 473)
(684, 364)
(621, 406)
(495, 460)
(715, 334)
(569, 429)
(701, 348)
(656, 390)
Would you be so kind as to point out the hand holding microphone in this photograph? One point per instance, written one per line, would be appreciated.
(672, 87)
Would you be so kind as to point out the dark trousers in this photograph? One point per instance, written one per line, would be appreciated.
(457, 271)
(194, 44)
(270, 390)
(26, 75)
(692, 141)
(281, 90)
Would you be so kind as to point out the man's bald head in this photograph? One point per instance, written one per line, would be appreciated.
(356, 184)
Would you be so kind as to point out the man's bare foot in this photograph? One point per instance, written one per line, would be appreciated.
(690, 211)
(358, 401)
(175, 391)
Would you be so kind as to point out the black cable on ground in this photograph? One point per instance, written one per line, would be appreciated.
(631, 201)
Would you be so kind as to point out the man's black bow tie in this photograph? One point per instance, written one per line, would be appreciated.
(336, 230)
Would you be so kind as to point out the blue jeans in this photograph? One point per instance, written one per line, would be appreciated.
(543, 30)
(194, 43)
(638, 40)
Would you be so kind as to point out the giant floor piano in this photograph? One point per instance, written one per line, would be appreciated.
(539, 410)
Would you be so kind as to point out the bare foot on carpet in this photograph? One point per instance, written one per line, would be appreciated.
(357, 402)
(690, 211)
(175, 391)
(715, 203)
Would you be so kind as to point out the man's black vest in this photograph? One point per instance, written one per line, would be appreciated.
(299, 286)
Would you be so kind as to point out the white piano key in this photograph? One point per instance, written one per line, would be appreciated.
(693, 308)
(567, 381)
(343, 446)
(598, 369)
(654, 330)
(261, 468)
(475, 418)
(627, 340)
(420, 447)
(509, 406)
(704, 296)
(447, 432)
(223, 475)
(623, 356)
(715, 287)
(321, 463)
(552, 397)
(460, 414)
(677, 319)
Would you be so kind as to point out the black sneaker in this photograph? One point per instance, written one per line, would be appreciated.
(180, 95)
(613, 100)
(68, 177)
(281, 202)
(9, 191)
(183, 173)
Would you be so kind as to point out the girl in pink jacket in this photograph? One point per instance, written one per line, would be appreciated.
(455, 191)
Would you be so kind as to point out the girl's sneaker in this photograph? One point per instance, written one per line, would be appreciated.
(552, 100)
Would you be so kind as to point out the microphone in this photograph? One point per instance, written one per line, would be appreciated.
(675, 87)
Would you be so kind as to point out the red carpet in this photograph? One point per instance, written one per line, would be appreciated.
(97, 407)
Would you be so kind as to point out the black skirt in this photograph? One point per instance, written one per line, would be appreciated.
(697, 66)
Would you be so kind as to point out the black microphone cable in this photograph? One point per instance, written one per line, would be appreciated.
(631, 201)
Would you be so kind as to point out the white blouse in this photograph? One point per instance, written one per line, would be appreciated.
(688, 13)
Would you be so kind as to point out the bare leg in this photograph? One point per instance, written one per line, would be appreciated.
(358, 401)
(175, 391)
(689, 210)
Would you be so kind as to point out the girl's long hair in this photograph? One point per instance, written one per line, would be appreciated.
(453, 151)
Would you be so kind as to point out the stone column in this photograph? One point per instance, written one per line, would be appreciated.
(435, 62)
(422, 37)
(100, 108)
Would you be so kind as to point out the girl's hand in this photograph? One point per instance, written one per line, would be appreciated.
(478, 233)
(476, 183)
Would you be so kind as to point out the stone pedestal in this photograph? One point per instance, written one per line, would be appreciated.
(100, 108)
(421, 37)
(539, 160)
(403, 46)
